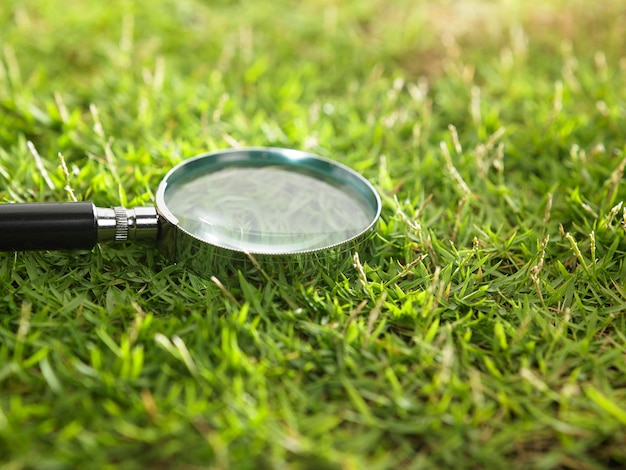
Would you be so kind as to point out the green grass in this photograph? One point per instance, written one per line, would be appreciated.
(485, 329)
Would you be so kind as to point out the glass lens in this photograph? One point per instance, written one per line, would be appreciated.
(270, 207)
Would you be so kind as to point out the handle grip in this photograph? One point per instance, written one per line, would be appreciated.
(48, 226)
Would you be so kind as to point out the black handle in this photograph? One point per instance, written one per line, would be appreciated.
(48, 226)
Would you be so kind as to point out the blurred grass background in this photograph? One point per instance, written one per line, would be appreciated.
(485, 330)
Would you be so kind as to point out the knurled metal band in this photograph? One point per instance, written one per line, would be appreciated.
(121, 224)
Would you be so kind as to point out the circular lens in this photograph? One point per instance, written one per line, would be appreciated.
(269, 201)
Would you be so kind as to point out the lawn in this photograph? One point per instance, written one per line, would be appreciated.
(484, 328)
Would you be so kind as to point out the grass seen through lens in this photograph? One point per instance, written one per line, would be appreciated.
(269, 209)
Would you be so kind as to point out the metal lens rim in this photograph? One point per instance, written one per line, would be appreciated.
(268, 156)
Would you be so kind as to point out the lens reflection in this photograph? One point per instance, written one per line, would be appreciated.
(268, 209)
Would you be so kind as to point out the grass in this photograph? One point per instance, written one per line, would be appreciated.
(485, 329)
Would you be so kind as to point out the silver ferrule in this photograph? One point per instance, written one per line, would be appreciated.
(120, 224)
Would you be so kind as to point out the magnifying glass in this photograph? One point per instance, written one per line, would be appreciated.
(262, 205)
